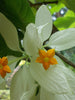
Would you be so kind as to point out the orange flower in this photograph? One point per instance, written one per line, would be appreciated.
(4, 68)
(46, 58)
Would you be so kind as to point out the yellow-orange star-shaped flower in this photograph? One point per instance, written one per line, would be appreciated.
(46, 58)
(4, 68)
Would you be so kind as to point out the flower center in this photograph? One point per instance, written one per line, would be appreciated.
(46, 59)
(1, 66)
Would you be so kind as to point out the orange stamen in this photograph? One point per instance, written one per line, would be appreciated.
(4, 68)
(46, 58)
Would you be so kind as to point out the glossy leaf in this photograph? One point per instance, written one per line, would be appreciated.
(65, 22)
(18, 11)
(70, 4)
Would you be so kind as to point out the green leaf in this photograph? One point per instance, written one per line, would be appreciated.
(18, 11)
(69, 13)
(68, 21)
(32, 1)
(56, 7)
(65, 22)
(70, 4)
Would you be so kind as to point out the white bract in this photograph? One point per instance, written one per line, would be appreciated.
(9, 33)
(53, 79)
(57, 80)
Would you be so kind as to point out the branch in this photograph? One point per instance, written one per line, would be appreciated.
(65, 59)
(62, 57)
(40, 3)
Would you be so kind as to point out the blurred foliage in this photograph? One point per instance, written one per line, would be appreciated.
(69, 4)
(45, 0)
(67, 21)
(32, 1)
(64, 23)
(18, 11)
(4, 50)
(56, 7)
(4, 95)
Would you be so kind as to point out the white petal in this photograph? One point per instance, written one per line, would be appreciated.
(60, 62)
(63, 40)
(32, 41)
(43, 17)
(70, 75)
(44, 31)
(53, 79)
(21, 83)
(45, 95)
(29, 95)
(9, 33)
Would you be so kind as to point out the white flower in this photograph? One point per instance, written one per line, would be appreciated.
(57, 80)
(53, 79)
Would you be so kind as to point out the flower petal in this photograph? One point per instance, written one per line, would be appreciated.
(7, 69)
(60, 62)
(46, 65)
(22, 81)
(53, 61)
(70, 75)
(12, 66)
(42, 53)
(43, 17)
(53, 79)
(9, 33)
(63, 40)
(45, 95)
(39, 59)
(51, 53)
(29, 95)
(32, 41)
(3, 73)
(4, 61)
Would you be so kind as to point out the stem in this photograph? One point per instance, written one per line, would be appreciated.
(9, 63)
(44, 46)
(65, 59)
